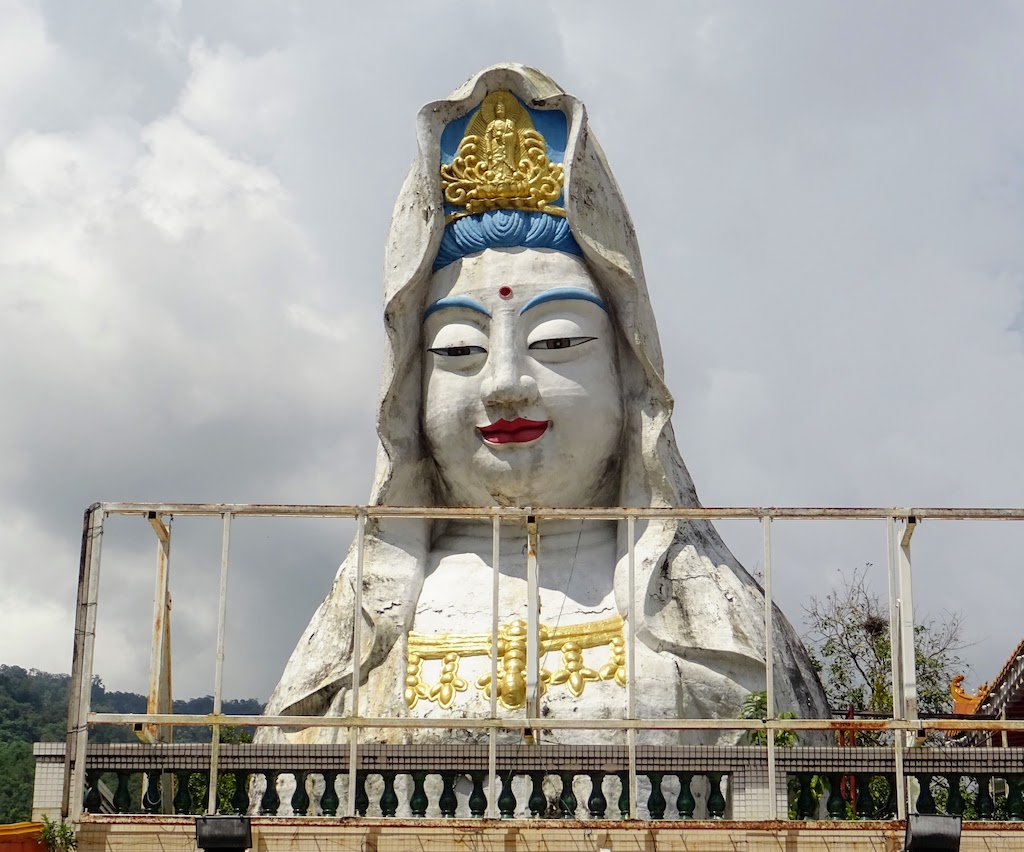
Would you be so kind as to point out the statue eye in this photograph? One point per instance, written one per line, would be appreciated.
(560, 342)
(458, 351)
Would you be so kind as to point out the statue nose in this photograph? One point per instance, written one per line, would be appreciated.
(507, 383)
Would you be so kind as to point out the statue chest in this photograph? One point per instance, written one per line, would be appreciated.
(453, 665)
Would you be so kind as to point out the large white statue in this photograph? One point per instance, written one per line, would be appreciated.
(524, 369)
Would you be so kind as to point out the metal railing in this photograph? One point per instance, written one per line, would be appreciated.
(899, 524)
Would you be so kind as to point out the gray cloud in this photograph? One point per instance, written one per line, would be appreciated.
(193, 204)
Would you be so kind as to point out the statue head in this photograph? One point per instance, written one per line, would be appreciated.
(559, 224)
(522, 404)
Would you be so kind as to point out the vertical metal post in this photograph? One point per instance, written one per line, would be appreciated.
(631, 660)
(87, 643)
(357, 638)
(78, 652)
(896, 656)
(907, 643)
(492, 732)
(896, 659)
(218, 677)
(769, 662)
(159, 699)
(532, 624)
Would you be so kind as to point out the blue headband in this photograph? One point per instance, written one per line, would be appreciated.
(504, 229)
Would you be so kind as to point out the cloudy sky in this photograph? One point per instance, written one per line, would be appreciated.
(193, 205)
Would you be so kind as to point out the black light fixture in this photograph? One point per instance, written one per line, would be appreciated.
(223, 833)
(933, 833)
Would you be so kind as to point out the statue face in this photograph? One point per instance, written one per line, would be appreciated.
(522, 402)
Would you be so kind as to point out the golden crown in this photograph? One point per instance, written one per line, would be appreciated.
(502, 163)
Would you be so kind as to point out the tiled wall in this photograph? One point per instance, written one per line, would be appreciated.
(49, 784)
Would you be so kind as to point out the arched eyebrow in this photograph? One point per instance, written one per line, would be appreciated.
(456, 302)
(563, 294)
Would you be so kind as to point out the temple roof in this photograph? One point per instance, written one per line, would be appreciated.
(1007, 690)
(1004, 697)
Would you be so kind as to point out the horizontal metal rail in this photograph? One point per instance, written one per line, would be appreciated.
(603, 513)
(522, 723)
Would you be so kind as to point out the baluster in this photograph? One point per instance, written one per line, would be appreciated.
(122, 798)
(685, 803)
(805, 801)
(182, 797)
(240, 798)
(449, 802)
(270, 801)
(985, 806)
(865, 802)
(362, 802)
(567, 800)
(418, 800)
(1015, 797)
(890, 808)
(151, 795)
(388, 798)
(716, 801)
(507, 799)
(200, 794)
(93, 800)
(925, 799)
(538, 802)
(955, 800)
(300, 798)
(836, 804)
(597, 804)
(656, 800)
(624, 795)
(329, 801)
(478, 798)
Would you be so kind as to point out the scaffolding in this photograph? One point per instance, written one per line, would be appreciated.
(899, 527)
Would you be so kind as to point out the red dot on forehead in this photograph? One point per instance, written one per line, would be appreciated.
(505, 291)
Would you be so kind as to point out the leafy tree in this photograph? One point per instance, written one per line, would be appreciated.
(848, 639)
(34, 708)
(755, 706)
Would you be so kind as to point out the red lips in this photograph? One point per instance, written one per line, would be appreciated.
(517, 431)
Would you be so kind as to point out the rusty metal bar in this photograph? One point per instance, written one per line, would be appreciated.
(606, 513)
(895, 657)
(357, 615)
(769, 662)
(159, 697)
(222, 613)
(492, 734)
(896, 660)
(78, 653)
(532, 624)
(909, 657)
(520, 723)
(85, 672)
(218, 678)
(631, 661)
(357, 650)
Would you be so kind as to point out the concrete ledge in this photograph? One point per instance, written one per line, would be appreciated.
(177, 834)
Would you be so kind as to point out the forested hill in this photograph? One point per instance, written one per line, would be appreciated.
(34, 708)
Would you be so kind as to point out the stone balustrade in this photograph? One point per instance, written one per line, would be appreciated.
(553, 781)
